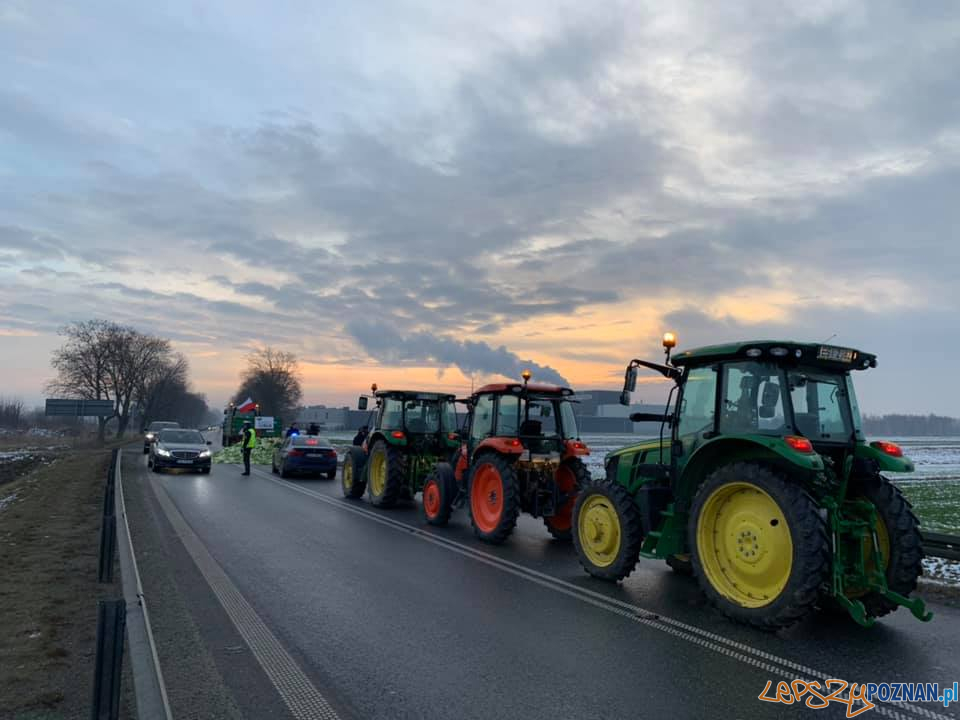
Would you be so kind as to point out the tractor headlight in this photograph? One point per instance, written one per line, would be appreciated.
(162, 452)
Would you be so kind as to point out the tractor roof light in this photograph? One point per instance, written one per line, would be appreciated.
(778, 352)
(887, 448)
(799, 444)
(398, 434)
(373, 387)
(754, 352)
(669, 340)
(526, 375)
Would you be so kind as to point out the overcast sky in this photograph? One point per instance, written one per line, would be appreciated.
(419, 193)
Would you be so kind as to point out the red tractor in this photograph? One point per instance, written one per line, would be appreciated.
(521, 451)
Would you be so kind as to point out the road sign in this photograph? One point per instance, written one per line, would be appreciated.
(263, 423)
(80, 408)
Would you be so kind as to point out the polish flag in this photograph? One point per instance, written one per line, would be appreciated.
(247, 406)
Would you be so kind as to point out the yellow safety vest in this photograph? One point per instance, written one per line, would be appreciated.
(250, 441)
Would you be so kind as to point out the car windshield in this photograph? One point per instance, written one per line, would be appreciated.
(182, 437)
(821, 409)
(155, 426)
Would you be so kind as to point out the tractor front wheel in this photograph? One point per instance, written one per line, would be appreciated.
(385, 474)
(759, 545)
(439, 490)
(607, 530)
(494, 501)
(351, 478)
(571, 477)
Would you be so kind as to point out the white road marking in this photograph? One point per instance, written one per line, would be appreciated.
(301, 697)
(747, 654)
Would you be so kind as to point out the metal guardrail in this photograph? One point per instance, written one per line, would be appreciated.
(941, 546)
(149, 688)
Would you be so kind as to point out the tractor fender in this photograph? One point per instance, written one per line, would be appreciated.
(726, 449)
(886, 462)
(574, 448)
(504, 446)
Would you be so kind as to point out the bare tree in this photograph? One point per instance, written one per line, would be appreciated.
(102, 360)
(11, 412)
(157, 385)
(82, 365)
(271, 378)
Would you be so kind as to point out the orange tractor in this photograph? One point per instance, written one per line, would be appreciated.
(521, 451)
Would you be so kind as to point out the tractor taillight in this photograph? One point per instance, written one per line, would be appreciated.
(799, 444)
(889, 448)
(398, 434)
(452, 436)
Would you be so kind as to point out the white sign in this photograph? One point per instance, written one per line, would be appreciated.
(263, 423)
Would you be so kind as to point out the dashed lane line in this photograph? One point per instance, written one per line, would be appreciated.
(739, 651)
(296, 690)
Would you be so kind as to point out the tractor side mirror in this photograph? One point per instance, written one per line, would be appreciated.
(362, 403)
(630, 379)
(625, 398)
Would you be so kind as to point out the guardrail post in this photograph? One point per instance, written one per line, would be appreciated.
(108, 548)
(111, 626)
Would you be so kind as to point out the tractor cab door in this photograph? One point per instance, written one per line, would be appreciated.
(481, 423)
(696, 415)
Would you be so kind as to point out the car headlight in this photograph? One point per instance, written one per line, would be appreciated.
(163, 452)
(149, 436)
(204, 453)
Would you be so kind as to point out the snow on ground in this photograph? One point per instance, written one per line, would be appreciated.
(4, 501)
(941, 571)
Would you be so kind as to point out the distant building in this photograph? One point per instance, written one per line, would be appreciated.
(326, 418)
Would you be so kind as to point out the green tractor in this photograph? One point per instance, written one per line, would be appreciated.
(411, 432)
(762, 485)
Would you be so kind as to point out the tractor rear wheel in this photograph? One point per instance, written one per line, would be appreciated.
(385, 474)
(608, 532)
(898, 534)
(351, 478)
(759, 545)
(571, 477)
(439, 490)
(494, 500)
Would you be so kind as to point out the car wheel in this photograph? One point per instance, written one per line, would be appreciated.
(273, 467)
(284, 473)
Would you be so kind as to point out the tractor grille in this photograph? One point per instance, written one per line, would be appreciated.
(185, 454)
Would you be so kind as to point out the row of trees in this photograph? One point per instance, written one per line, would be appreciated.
(272, 379)
(11, 412)
(911, 425)
(139, 373)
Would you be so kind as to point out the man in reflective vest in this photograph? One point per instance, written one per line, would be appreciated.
(248, 441)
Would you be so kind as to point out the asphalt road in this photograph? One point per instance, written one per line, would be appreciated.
(314, 606)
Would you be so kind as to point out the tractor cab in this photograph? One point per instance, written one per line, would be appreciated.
(535, 421)
(416, 420)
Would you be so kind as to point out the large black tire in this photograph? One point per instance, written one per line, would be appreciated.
(608, 532)
(352, 479)
(394, 474)
(439, 490)
(904, 565)
(802, 525)
(572, 476)
(493, 497)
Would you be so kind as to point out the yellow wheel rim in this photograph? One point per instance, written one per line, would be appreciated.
(348, 475)
(744, 544)
(598, 527)
(378, 472)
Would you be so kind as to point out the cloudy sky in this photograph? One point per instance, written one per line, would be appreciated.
(420, 193)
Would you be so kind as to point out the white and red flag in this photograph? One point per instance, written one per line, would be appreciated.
(247, 405)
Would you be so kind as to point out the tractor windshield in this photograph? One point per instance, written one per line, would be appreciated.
(421, 416)
(821, 405)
